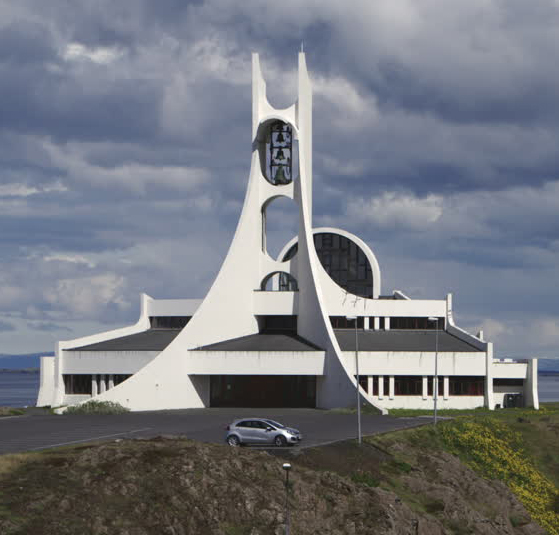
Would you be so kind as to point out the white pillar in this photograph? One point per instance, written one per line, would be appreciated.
(111, 381)
(489, 402)
(391, 387)
(531, 398)
(366, 322)
(434, 386)
(370, 385)
(376, 323)
(94, 389)
(380, 386)
(445, 387)
(386, 324)
(102, 384)
(424, 387)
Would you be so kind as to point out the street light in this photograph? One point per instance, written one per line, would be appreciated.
(436, 389)
(286, 467)
(354, 318)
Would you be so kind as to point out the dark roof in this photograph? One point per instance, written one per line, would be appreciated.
(400, 340)
(150, 340)
(264, 342)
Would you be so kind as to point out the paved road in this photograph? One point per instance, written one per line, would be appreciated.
(41, 431)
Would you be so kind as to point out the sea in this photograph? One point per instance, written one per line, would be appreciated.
(20, 389)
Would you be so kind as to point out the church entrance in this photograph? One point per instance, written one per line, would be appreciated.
(263, 391)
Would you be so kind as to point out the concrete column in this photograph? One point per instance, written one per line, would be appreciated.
(445, 387)
(391, 387)
(111, 381)
(489, 402)
(366, 322)
(380, 385)
(424, 387)
(386, 324)
(531, 398)
(434, 387)
(94, 389)
(376, 323)
(370, 385)
(102, 384)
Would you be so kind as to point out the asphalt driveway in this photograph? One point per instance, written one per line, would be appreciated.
(40, 431)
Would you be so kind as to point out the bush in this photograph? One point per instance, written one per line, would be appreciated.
(97, 407)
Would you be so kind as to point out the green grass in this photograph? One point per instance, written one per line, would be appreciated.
(11, 411)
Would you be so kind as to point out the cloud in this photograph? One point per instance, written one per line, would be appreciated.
(397, 210)
(102, 54)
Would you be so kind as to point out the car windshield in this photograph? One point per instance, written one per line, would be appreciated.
(277, 424)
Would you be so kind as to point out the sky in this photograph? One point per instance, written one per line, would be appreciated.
(125, 145)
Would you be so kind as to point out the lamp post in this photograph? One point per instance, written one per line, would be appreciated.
(436, 388)
(354, 318)
(286, 467)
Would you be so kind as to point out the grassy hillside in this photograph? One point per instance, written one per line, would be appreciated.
(480, 474)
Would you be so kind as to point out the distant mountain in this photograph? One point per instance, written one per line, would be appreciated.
(22, 362)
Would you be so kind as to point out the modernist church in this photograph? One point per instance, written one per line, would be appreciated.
(305, 329)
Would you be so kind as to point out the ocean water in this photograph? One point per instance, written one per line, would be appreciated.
(21, 389)
(18, 389)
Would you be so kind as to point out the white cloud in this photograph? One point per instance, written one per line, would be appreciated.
(397, 210)
(73, 259)
(101, 55)
(88, 296)
(23, 190)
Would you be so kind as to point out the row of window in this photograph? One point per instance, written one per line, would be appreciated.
(82, 383)
(412, 385)
(341, 322)
(168, 322)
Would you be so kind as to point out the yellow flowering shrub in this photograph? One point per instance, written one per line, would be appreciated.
(494, 450)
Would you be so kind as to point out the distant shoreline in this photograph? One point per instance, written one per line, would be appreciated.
(24, 370)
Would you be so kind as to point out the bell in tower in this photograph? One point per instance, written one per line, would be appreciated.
(280, 153)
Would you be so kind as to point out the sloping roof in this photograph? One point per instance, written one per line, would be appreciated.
(401, 340)
(264, 342)
(150, 340)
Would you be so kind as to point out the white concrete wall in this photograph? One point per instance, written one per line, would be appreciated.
(417, 402)
(509, 370)
(115, 362)
(173, 307)
(46, 382)
(415, 363)
(256, 363)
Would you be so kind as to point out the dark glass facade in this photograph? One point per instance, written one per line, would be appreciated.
(344, 261)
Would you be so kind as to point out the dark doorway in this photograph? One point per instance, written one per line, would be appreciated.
(263, 391)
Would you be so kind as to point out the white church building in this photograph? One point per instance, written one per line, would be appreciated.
(305, 329)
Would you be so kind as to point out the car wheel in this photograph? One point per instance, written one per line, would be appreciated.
(233, 440)
(280, 440)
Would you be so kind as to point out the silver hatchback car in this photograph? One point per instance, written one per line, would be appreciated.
(261, 431)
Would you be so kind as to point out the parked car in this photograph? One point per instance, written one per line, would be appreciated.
(261, 431)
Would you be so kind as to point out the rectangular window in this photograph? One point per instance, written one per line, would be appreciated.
(77, 383)
(508, 382)
(168, 322)
(341, 322)
(465, 386)
(416, 323)
(430, 386)
(278, 324)
(407, 385)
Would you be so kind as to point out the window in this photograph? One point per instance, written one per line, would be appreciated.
(168, 322)
(385, 385)
(277, 324)
(344, 261)
(341, 322)
(408, 385)
(77, 383)
(430, 386)
(465, 386)
(416, 323)
(508, 382)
